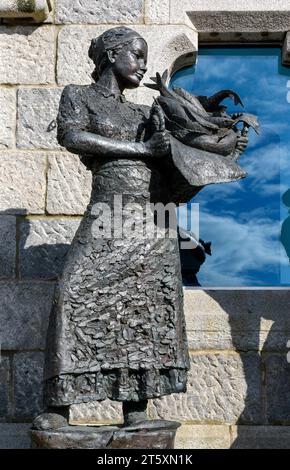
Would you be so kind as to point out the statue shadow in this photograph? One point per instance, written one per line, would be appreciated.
(44, 261)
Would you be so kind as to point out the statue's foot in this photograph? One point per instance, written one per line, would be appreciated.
(49, 422)
(134, 418)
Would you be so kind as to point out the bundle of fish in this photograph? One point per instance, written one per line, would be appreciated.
(188, 117)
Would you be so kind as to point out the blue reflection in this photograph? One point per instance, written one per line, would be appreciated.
(243, 220)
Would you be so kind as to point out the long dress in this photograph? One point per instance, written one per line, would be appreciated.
(117, 327)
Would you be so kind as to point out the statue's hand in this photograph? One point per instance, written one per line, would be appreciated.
(242, 143)
(159, 144)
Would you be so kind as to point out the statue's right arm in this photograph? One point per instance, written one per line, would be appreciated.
(87, 143)
(74, 134)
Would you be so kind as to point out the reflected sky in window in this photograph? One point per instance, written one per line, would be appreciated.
(244, 220)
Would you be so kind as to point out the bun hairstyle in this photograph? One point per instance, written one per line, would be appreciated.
(111, 40)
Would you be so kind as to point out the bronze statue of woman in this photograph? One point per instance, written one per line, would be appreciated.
(117, 327)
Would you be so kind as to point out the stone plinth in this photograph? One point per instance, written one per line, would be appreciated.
(155, 434)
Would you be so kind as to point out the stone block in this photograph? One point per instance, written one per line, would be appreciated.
(4, 387)
(244, 320)
(23, 183)
(44, 245)
(157, 12)
(141, 95)
(145, 96)
(69, 185)
(260, 437)
(222, 388)
(179, 10)
(27, 55)
(170, 47)
(277, 377)
(203, 437)
(24, 312)
(14, 436)
(99, 11)
(105, 412)
(8, 114)
(28, 384)
(7, 246)
(37, 113)
(38, 10)
(239, 21)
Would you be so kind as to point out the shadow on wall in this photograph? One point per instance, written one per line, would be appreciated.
(259, 327)
(38, 260)
(32, 255)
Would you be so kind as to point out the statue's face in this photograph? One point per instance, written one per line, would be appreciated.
(130, 63)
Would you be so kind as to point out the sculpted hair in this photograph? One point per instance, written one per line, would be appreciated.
(112, 40)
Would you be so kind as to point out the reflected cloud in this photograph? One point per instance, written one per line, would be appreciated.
(244, 220)
(239, 248)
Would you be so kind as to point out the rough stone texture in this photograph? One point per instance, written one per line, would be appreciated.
(27, 54)
(260, 437)
(69, 185)
(277, 389)
(44, 245)
(104, 412)
(7, 246)
(14, 436)
(238, 319)
(145, 96)
(8, 113)
(36, 9)
(4, 388)
(286, 50)
(166, 45)
(23, 183)
(178, 9)
(246, 38)
(141, 95)
(37, 113)
(99, 12)
(203, 437)
(27, 379)
(222, 388)
(225, 21)
(24, 311)
(157, 12)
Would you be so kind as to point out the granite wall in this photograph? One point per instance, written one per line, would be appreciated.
(238, 393)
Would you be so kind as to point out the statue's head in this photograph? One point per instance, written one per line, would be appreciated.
(122, 50)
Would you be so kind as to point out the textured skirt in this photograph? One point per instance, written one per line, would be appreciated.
(117, 327)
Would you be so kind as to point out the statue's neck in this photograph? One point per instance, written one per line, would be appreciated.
(109, 80)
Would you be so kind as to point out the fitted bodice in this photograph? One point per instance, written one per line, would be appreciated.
(95, 109)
